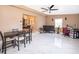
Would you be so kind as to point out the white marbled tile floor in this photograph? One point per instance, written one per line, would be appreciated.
(48, 43)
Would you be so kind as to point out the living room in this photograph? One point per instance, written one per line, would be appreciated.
(12, 17)
(44, 45)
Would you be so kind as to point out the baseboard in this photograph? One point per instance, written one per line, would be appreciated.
(34, 33)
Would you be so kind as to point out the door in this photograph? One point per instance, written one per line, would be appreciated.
(58, 24)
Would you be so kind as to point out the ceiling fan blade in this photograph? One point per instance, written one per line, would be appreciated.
(45, 9)
(51, 6)
(53, 9)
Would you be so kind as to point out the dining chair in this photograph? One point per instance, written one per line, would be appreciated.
(9, 42)
(0, 44)
(20, 39)
(28, 34)
(28, 37)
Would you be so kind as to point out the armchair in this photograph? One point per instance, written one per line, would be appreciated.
(66, 31)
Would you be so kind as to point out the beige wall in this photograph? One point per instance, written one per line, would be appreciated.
(11, 17)
(72, 19)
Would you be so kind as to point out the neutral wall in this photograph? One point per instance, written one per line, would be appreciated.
(11, 17)
(72, 19)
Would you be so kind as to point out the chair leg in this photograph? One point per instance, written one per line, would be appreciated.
(18, 43)
(31, 36)
(24, 41)
(2, 47)
(29, 39)
(14, 43)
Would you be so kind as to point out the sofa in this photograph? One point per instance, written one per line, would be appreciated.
(48, 28)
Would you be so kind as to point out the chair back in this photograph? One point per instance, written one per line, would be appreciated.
(15, 30)
(1, 40)
(1, 36)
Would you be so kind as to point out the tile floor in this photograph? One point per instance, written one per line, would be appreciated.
(48, 43)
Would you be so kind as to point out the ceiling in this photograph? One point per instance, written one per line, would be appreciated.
(62, 9)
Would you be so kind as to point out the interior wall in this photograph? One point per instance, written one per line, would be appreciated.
(71, 19)
(11, 17)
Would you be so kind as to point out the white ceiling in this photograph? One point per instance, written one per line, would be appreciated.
(63, 9)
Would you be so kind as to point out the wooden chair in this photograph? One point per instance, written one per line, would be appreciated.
(29, 36)
(10, 42)
(20, 39)
(28, 30)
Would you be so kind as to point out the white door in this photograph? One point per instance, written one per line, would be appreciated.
(58, 23)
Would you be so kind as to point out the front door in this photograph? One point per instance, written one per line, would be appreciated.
(58, 24)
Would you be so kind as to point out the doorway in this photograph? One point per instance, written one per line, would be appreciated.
(29, 20)
(58, 24)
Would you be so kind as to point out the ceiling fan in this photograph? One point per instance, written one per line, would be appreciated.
(49, 9)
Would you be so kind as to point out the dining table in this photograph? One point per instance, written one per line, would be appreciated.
(12, 34)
